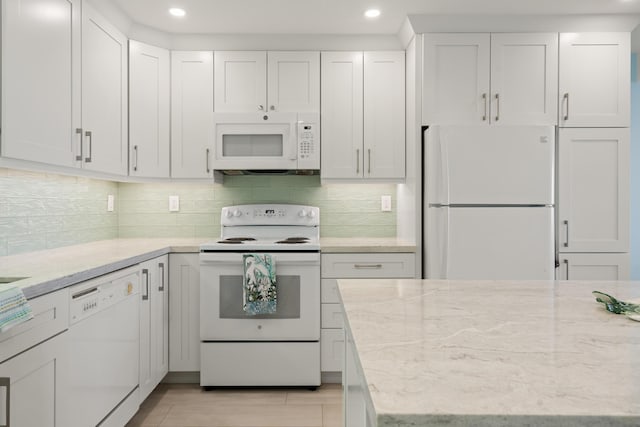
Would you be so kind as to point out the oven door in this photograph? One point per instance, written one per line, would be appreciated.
(255, 141)
(297, 316)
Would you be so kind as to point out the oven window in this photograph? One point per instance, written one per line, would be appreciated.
(288, 291)
(268, 145)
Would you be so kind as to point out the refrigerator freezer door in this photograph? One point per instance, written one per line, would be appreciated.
(490, 165)
(514, 243)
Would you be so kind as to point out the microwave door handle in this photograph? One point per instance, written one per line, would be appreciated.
(294, 147)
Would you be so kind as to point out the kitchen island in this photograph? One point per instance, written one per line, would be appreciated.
(489, 353)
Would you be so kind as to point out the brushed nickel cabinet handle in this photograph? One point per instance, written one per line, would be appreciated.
(89, 136)
(566, 224)
(135, 157)
(208, 169)
(6, 382)
(484, 100)
(357, 161)
(145, 273)
(79, 132)
(369, 167)
(566, 102)
(161, 267)
(566, 263)
(497, 107)
(367, 266)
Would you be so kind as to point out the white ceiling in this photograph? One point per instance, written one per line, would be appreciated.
(337, 16)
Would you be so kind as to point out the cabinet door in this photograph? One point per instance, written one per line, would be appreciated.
(41, 81)
(191, 110)
(456, 79)
(35, 382)
(342, 115)
(240, 81)
(148, 110)
(147, 330)
(104, 94)
(160, 307)
(384, 117)
(524, 79)
(293, 81)
(184, 312)
(594, 266)
(593, 184)
(594, 80)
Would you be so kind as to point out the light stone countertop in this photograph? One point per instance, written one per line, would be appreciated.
(365, 244)
(490, 353)
(53, 269)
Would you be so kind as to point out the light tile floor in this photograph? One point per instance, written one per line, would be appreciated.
(189, 405)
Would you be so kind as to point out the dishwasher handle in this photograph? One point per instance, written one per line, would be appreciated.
(145, 295)
(6, 382)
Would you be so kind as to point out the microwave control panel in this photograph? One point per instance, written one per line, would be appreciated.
(308, 145)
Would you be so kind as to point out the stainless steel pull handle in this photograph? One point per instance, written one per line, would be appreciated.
(357, 161)
(89, 136)
(6, 382)
(161, 267)
(79, 132)
(272, 108)
(145, 273)
(484, 100)
(261, 107)
(369, 266)
(369, 166)
(208, 169)
(566, 263)
(566, 242)
(135, 157)
(497, 107)
(566, 102)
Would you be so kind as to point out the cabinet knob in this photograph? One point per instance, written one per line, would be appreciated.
(261, 107)
(272, 108)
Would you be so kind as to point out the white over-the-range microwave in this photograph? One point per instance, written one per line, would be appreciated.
(266, 141)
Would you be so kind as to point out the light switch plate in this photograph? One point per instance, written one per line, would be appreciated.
(385, 203)
(110, 203)
(174, 203)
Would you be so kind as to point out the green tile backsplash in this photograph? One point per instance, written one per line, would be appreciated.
(42, 211)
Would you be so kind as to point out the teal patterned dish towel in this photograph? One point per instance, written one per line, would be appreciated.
(259, 291)
(14, 307)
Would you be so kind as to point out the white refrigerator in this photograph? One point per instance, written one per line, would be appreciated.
(489, 202)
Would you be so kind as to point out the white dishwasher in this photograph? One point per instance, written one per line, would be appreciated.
(104, 332)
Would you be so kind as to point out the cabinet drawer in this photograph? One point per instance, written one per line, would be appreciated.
(332, 316)
(50, 316)
(329, 291)
(370, 265)
(331, 350)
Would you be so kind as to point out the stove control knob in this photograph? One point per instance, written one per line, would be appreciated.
(237, 213)
(311, 214)
(228, 213)
(302, 213)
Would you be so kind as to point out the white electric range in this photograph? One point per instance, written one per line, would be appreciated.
(278, 349)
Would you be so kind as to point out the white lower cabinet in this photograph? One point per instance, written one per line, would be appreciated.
(594, 266)
(354, 266)
(184, 312)
(33, 374)
(154, 324)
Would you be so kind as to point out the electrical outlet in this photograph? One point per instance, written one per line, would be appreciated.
(110, 203)
(385, 203)
(174, 203)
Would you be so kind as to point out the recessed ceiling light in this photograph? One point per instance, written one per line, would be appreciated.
(176, 11)
(372, 13)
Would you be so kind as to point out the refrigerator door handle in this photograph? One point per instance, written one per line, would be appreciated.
(445, 242)
(443, 181)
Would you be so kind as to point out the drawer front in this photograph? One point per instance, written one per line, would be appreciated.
(329, 291)
(332, 316)
(50, 316)
(370, 265)
(331, 350)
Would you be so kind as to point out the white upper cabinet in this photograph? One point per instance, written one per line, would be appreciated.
(384, 114)
(191, 114)
(149, 126)
(104, 95)
(456, 79)
(524, 79)
(478, 78)
(253, 81)
(363, 115)
(593, 179)
(41, 81)
(594, 80)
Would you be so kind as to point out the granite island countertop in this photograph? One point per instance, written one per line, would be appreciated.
(491, 353)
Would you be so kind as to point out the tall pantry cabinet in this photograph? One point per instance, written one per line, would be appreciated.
(73, 84)
(576, 81)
